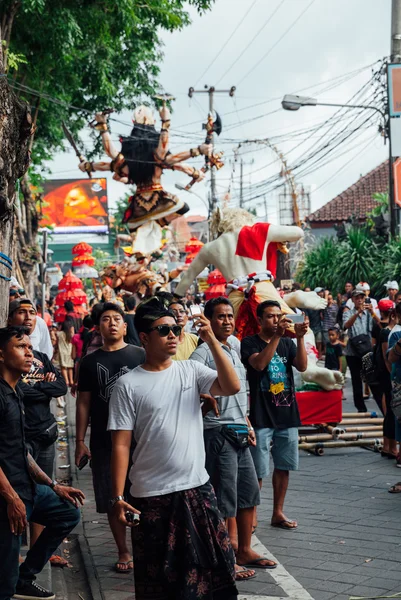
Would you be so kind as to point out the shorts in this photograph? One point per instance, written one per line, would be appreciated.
(101, 477)
(43, 455)
(318, 335)
(284, 450)
(232, 474)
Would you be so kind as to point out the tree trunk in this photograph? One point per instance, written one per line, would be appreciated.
(15, 131)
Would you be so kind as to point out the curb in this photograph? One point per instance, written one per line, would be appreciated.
(87, 558)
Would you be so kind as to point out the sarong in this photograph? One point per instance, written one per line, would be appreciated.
(181, 548)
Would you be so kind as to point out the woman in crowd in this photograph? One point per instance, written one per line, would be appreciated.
(65, 351)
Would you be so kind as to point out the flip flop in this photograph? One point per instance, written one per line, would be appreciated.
(395, 489)
(121, 562)
(256, 564)
(284, 524)
(244, 570)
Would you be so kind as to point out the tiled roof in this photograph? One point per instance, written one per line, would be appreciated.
(355, 200)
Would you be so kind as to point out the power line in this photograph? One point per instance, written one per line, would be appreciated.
(240, 22)
(252, 40)
(278, 41)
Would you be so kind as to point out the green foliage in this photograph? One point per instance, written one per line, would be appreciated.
(91, 55)
(381, 208)
(357, 258)
(118, 213)
(317, 267)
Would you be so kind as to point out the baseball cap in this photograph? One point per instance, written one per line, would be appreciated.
(385, 305)
(20, 303)
(357, 292)
(318, 289)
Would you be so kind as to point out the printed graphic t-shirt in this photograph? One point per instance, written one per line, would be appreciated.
(98, 374)
(273, 402)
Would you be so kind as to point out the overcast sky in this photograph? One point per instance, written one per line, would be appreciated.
(293, 44)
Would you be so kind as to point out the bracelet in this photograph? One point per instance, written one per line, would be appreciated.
(53, 484)
(251, 429)
(102, 127)
(114, 501)
(194, 152)
(79, 440)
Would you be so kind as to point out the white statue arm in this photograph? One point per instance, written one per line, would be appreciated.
(199, 263)
(300, 299)
(284, 233)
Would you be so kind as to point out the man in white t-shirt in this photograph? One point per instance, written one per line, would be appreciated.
(181, 546)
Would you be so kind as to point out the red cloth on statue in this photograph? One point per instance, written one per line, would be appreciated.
(251, 244)
(320, 407)
(246, 322)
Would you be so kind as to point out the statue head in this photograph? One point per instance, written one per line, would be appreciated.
(225, 220)
(143, 115)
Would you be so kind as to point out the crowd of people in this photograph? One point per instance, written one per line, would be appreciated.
(177, 419)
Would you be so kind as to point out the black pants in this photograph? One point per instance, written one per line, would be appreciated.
(355, 365)
(389, 419)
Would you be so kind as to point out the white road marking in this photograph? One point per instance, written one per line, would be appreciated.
(289, 585)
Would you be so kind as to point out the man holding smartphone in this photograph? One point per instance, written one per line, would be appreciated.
(269, 357)
(98, 375)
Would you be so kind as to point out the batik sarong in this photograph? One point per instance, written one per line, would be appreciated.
(181, 548)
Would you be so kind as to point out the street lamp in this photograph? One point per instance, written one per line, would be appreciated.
(293, 102)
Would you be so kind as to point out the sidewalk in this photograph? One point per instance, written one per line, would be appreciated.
(347, 543)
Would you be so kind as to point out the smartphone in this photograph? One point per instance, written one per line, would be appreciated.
(83, 462)
(295, 318)
(368, 300)
(132, 517)
(195, 311)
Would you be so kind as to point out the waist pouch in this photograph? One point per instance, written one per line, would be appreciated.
(237, 435)
(361, 344)
(48, 436)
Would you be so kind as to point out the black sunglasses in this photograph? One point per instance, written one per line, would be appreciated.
(164, 330)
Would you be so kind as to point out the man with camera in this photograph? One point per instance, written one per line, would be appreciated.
(358, 321)
(269, 357)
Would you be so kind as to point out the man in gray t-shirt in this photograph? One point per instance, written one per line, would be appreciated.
(227, 437)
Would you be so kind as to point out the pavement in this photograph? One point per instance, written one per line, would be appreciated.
(347, 542)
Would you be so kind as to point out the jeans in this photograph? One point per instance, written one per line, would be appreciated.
(355, 365)
(59, 518)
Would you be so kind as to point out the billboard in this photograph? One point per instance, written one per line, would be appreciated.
(394, 89)
(75, 206)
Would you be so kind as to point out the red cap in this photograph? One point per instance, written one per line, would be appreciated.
(385, 305)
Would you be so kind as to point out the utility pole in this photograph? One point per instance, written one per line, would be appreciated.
(395, 57)
(211, 91)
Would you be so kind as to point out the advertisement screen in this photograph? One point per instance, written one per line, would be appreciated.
(75, 206)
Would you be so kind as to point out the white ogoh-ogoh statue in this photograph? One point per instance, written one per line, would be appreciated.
(246, 254)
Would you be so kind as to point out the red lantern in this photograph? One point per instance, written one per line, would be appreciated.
(82, 248)
(77, 297)
(194, 245)
(215, 277)
(83, 259)
(59, 315)
(70, 282)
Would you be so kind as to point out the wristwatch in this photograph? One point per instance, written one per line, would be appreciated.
(114, 501)
(53, 484)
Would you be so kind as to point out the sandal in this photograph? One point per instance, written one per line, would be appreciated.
(285, 524)
(395, 489)
(246, 574)
(257, 563)
(128, 563)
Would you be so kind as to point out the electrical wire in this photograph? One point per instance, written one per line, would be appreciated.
(240, 22)
(278, 41)
(270, 17)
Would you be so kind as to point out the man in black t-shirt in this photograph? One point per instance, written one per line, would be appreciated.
(269, 358)
(131, 336)
(98, 375)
